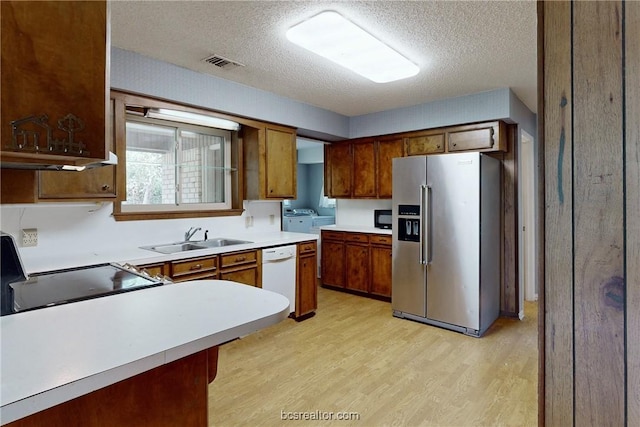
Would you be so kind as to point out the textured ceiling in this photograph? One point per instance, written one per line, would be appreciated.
(460, 47)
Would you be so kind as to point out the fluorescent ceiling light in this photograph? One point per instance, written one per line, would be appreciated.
(330, 35)
(192, 118)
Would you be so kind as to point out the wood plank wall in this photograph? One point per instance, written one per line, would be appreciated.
(589, 57)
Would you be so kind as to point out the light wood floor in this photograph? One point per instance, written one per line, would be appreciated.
(354, 356)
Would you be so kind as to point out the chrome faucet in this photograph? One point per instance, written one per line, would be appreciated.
(189, 234)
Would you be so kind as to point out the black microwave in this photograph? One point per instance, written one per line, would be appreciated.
(382, 218)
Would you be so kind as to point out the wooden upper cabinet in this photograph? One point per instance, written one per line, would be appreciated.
(281, 162)
(386, 151)
(270, 163)
(364, 169)
(424, 144)
(91, 184)
(54, 81)
(479, 137)
(338, 169)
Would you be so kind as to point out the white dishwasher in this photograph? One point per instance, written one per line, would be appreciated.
(279, 272)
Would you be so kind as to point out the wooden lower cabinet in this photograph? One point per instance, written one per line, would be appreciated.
(201, 268)
(156, 269)
(306, 281)
(358, 262)
(175, 394)
(242, 267)
(333, 259)
(380, 252)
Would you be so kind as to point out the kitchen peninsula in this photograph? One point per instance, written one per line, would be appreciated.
(138, 358)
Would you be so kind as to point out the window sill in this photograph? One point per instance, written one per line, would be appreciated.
(139, 216)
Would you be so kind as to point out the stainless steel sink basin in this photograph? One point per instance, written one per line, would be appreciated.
(216, 243)
(171, 248)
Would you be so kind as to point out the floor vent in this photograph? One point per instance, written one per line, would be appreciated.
(222, 62)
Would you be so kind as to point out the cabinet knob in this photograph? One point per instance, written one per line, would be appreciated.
(240, 258)
(196, 267)
(105, 187)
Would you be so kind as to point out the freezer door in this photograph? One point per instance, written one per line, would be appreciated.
(408, 291)
(453, 275)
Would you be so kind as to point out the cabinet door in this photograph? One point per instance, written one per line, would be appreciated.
(381, 270)
(98, 183)
(483, 137)
(280, 164)
(364, 169)
(424, 144)
(333, 263)
(307, 295)
(54, 80)
(247, 275)
(357, 268)
(338, 163)
(387, 150)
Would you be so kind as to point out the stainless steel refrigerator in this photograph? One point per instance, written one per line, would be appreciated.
(446, 240)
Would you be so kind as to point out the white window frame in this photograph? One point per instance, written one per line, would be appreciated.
(185, 207)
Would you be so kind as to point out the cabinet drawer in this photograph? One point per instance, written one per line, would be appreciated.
(306, 248)
(425, 144)
(475, 137)
(198, 267)
(238, 258)
(356, 237)
(333, 235)
(154, 269)
(381, 239)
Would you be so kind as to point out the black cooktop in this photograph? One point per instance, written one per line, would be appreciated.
(51, 288)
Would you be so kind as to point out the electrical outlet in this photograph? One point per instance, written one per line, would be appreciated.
(272, 219)
(29, 237)
(247, 221)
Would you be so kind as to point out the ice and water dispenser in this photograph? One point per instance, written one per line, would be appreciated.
(409, 223)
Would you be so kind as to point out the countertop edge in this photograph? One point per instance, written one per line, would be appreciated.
(21, 408)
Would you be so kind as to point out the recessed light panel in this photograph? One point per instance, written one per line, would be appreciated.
(331, 36)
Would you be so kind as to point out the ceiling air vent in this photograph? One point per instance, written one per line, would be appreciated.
(222, 62)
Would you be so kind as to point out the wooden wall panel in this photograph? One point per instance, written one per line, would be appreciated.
(558, 261)
(591, 53)
(632, 180)
(598, 213)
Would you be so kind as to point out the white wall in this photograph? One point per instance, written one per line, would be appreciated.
(67, 231)
(358, 212)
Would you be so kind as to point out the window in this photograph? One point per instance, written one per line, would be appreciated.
(174, 161)
(176, 166)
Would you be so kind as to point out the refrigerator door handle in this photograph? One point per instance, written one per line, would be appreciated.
(425, 242)
(425, 232)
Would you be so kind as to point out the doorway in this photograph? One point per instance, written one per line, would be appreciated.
(527, 202)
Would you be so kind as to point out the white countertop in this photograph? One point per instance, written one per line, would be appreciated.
(356, 229)
(137, 256)
(56, 354)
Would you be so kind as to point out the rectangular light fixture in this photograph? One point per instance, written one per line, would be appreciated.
(332, 36)
(192, 118)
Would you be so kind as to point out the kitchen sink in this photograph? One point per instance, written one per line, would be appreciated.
(172, 248)
(216, 243)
